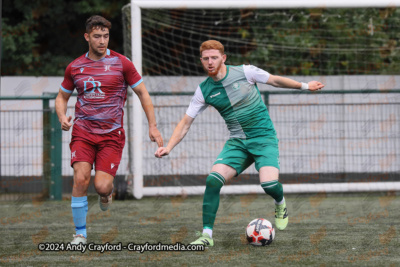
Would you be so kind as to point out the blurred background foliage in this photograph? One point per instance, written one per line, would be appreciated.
(321, 41)
(40, 38)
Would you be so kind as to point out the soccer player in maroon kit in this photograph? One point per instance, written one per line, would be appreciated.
(100, 77)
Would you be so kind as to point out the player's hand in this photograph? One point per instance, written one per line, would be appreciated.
(315, 86)
(155, 136)
(66, 123)
(161, 151)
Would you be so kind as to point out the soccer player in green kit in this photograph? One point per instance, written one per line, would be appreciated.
(233, 91)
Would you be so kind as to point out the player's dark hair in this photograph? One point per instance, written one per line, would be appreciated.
(211, 44)
(97, 22)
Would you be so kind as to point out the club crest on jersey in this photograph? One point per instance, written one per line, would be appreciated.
(92, 89)
(81, 69)
(235, 86)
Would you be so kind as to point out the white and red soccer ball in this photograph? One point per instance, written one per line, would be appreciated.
(260, 232)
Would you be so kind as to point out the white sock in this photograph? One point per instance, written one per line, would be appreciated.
(281, 202)
(208, 231)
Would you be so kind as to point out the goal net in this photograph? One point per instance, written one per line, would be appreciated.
(343, 139)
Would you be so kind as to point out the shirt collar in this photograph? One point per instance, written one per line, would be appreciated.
(107, 53)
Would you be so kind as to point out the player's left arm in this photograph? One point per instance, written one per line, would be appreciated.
(283, 82)
(145, 100)
(133, 78)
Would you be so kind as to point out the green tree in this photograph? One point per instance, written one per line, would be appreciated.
(333, 41)
(42, 37)
(325, 41)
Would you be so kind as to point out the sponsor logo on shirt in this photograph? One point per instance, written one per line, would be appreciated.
(211, 96)
(92, 89)
(107, 67)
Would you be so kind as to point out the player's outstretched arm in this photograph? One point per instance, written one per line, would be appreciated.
(145, 100)
(61, 109)
(283, 82)
(179, 133)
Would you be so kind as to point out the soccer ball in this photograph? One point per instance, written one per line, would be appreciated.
(260, 232)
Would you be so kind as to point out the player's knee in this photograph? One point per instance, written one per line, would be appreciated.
(103, 189)
(81, 180)
(81, 172)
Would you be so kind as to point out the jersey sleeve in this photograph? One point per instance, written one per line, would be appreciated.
(132, 77)
(68, 83)
(255, 75)
(197, 104)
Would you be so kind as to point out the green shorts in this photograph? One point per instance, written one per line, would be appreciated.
(241, 153)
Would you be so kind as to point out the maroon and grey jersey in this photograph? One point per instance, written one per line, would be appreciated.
(102, 90)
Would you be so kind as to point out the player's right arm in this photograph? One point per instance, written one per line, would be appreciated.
(197, 105)
(179, 133)
(66, 89)
(61, 109)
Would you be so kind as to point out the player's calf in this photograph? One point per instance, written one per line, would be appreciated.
(104, 187)
(79, 207)
(275, 190)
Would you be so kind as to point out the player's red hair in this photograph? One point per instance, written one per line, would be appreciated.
(211, 44)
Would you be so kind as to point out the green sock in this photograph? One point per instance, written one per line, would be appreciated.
(214, 183)
(274, 189)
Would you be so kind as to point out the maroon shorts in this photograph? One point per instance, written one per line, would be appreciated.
(104, 150)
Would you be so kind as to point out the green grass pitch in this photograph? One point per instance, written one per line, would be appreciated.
(324, 230)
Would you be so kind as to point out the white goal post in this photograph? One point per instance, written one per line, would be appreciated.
(136, 44)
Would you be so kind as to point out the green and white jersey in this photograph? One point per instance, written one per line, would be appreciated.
(238, 100)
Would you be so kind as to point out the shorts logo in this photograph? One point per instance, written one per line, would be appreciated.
(73, 154)
(220, 159)
(112, 165)
(235, 86)
(211, 96)
(93, 86)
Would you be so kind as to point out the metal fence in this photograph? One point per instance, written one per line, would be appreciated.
(30, 148)
(329, 136)
(324, 137)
